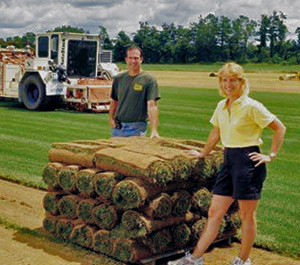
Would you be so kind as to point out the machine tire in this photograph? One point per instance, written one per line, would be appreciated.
(34, 93)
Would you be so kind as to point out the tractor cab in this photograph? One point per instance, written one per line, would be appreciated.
(78, 53)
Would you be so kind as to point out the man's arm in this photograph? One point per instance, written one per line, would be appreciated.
(112, 110)
(153, 117)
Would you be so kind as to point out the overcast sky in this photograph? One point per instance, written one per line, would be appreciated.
(20, 16)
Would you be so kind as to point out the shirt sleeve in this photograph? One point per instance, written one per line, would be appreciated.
(153, 92)
(214, 119)
(261, 116)
(114, 90)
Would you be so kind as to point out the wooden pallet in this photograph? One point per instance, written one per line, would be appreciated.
(227, 239)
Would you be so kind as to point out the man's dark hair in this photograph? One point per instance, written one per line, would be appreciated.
(134, 47)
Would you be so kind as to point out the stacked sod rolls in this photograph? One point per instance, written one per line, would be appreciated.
(131, 198)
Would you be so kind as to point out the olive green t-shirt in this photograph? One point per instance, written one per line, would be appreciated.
(132, 94)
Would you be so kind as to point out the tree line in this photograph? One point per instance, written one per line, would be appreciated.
(210, 39)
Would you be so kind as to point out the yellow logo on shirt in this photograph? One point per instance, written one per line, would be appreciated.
(137, 87)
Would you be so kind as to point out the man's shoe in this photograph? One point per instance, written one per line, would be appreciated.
(238, 261)
(187, 260)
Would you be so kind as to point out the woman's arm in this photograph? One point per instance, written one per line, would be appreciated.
(211, 142)
(279, 132)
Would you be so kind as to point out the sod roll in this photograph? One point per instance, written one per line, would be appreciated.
(181, 235)
(82, 235)
(106, 216)
(233, 222)
(159, 241)
(201, 201)
(84, 210)
(64, 227)
(102, 242)
(128, 250)
(50, 223)
(67, 178)
(141, 225)
(50, 174)
(178, 159)
(198, 227)
(159, 207)
(104, 183)
(207, 169)
(50, 202)
(74, 153)
(152, 169)
(68, 206)
(85, 182)
(181, 202)
(131, 193)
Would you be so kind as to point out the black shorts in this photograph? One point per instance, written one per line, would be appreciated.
(238, 177)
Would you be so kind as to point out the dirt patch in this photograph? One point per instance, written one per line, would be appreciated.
(23, 206)
(268, 82)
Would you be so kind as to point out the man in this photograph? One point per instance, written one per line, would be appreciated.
(134, 99)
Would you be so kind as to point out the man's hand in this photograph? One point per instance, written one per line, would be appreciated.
(112, 123)
(154, 134)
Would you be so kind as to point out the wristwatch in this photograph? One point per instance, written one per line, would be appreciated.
(272, 155)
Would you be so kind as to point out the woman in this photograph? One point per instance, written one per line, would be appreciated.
(238, 121)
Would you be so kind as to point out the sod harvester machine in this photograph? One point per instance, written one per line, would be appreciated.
(64, 68)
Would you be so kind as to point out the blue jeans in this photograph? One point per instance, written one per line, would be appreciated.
(130, 129)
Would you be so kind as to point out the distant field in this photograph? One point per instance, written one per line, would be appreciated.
(265, 81)
(26, 137)
(212, 67)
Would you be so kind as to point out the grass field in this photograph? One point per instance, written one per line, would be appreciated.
(26, 137)
(213, 67)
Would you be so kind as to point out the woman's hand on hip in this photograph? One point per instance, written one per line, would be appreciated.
(259, 158)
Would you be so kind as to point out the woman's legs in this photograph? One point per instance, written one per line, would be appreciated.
(218, 207)
(248, 215)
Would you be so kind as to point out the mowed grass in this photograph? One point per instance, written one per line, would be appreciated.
(26, 137)
(214, 67)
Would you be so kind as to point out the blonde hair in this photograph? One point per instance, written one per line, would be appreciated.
(233, 69)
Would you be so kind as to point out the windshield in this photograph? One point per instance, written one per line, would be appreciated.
(43, 46)
(81, 58)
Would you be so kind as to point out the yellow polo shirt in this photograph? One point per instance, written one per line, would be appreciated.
(243, 125)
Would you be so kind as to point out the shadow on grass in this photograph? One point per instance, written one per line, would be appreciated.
(17, 106)
(40, 239)
(12, 104)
